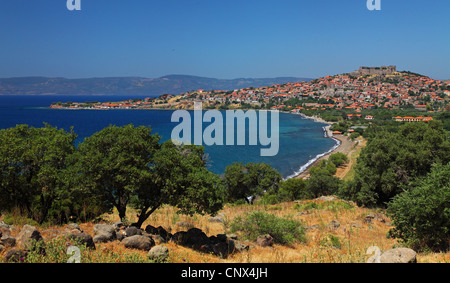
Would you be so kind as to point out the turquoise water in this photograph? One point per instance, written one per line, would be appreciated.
(300, 140)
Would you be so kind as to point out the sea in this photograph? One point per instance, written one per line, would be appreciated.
(301, 140)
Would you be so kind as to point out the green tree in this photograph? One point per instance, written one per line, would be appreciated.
(179, 178)
(31, 164)
(391, 160)
(321, 182)
(338, 159)
(114, 162)
(293, 189)
(326, 166)
(250, 181)
(421, 215)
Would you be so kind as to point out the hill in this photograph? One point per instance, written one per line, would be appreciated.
(336, 232)
(171, 84)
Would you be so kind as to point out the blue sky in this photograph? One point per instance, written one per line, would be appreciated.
(221, 39)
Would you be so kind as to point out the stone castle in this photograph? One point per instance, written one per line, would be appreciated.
(383, 70)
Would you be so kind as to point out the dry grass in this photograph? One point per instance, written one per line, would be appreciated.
(346, 244)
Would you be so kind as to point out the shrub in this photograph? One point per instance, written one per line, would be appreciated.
(338, 158)
(330, 241)
(284, 231)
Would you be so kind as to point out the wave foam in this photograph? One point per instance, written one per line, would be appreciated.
(311, 161)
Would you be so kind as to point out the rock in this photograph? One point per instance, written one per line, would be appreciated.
(159, 253)
(28, 237)
(313, 227)
(163, 233)
(157, 238)
(132, 230)
(151, 230)
(265, 240)
(368, 219)
(232, 236)
(4, 231)
(118, 225)
(15, 255)
(399, 255)
(138, 242)
(334, 224)
(222, 249)
(101, 239)
(196, 237)
(8, 241)
(120, 235)
(239, 246)
(327, 198)
(73, 227)
(83, 239)
(216, 219)
(106, 230)
(4, 225)
(220, 245)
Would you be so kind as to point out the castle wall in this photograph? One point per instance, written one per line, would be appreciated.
(383, 70)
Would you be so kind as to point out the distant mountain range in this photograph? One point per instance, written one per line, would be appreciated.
(172, 84)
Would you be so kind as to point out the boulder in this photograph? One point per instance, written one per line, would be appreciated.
(159, 253)
(265, 240)
(118, 225)
(28, 237)
(120, 235)
(74, 228)
(399, 255)
(221, 245)
(196, 237)
(151, 230)
(334, 224)
(217, 219)
(138, 242)
(327, 198)
(4, 231)
(132, 230)
(4, 225)
(8, 241)
(163, 233)
(83, 239)
(101, 239)
(240, 247)
(15, 255)
(107, 231)
(157, 238)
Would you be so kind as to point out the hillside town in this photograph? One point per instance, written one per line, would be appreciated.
(365, 89)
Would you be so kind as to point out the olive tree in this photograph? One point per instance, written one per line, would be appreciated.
(32, 164)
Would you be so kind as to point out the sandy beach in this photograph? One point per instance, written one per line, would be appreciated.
(346, 146)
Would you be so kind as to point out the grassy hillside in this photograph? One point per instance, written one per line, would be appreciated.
(336, 232)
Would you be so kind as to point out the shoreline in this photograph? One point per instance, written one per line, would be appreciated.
(343, 145)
